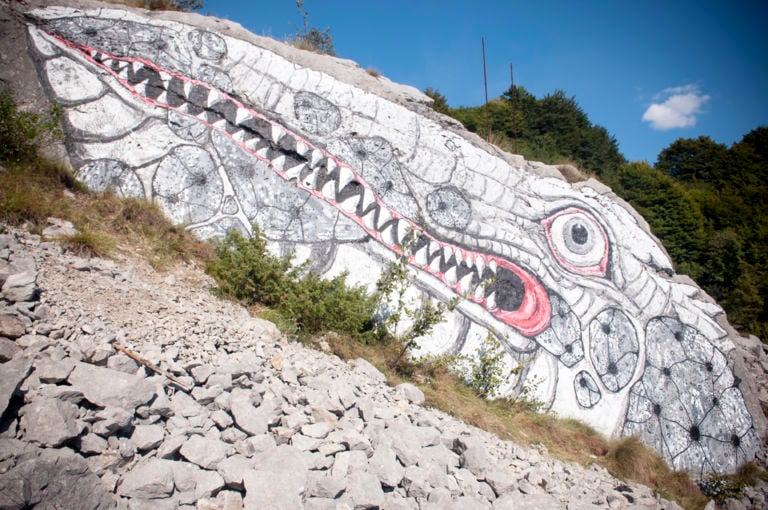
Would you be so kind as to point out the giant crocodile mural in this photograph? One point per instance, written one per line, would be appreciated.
(224, 134)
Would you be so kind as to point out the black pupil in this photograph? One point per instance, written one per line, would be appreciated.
(579, 234)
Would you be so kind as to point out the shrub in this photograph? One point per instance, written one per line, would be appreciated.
(22, 133)
(310, 38)
(247, 271)
(487, 368)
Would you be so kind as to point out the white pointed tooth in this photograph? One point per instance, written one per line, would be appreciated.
(162, 98)
(166, 77)
(458, 256)
(301, 147)
(384, 217)
(242, 115)
(420, 257)
(434, 266)
(295, 172)
(465, 284)
(350, 204)
(434, 247)
(213, 97)
(469, 260)
(252, 143)
(368, 198)
(479, 292)
(123, 73)
(141, 88)
(107, 62)
(490, 301)
(332, 165)
(345, 174)
(450, 276)
(368, 219)
(137, 66)
(277, 133)
(329, 190)
(239, 136)
(447, 253)
(263, 153)
(220, 124)
(480, 263)
(493, 266)
(279, 162)
(317, 156)
(402, 230)
(387, 235)
(187, 88)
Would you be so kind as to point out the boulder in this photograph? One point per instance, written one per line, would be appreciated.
(105, 387)
(152, 479)
(49, 422)
(49, 478)
(21, 287)
(12, 374)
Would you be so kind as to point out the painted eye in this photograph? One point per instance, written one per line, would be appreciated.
(578, 241)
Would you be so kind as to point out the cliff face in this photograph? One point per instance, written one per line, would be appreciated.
(225, 129)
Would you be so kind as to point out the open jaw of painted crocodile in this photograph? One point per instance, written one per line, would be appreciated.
(223, 133)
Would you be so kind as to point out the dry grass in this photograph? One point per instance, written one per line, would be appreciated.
(32, 191)
(373, 72)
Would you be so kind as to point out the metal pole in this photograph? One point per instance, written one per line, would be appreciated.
(514, 113)
(485, 80)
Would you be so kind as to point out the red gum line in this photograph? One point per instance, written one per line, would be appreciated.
(530, 319)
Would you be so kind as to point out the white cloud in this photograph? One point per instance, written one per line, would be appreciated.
(678, 109)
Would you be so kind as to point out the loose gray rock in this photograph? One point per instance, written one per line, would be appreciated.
(205, 452)
(147, 437)
(411, 393)
(152, 479)
(12, 326)
(104, 387)
(278, 482)
(232, 470)
(53, 371)
(51, 479)
(21, 287)
(111, 420)
(49, 422)
(12, 374)
(194, 483)
(8, 349)
(250, 419)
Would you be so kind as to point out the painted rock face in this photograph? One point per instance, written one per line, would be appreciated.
(223, 133)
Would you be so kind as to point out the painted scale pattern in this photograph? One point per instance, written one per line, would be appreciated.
(223, 133)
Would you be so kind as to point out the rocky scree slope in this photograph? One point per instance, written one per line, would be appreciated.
(255, 421)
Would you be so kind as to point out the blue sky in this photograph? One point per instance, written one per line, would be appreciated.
(649, 71)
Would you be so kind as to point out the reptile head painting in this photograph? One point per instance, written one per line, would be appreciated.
(224, 134)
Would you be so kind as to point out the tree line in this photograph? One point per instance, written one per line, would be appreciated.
(704, 200)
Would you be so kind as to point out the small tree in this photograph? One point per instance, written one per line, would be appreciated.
(310, 38)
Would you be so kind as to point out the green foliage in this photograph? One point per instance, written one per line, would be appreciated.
(440, 103)
(310, 38)
(487, 368)
(673, 215)
(247, 271)
(730, 188)
(553, 129)
(399, 317)
(23, 133)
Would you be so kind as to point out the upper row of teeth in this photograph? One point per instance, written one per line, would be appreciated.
(393, 235)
